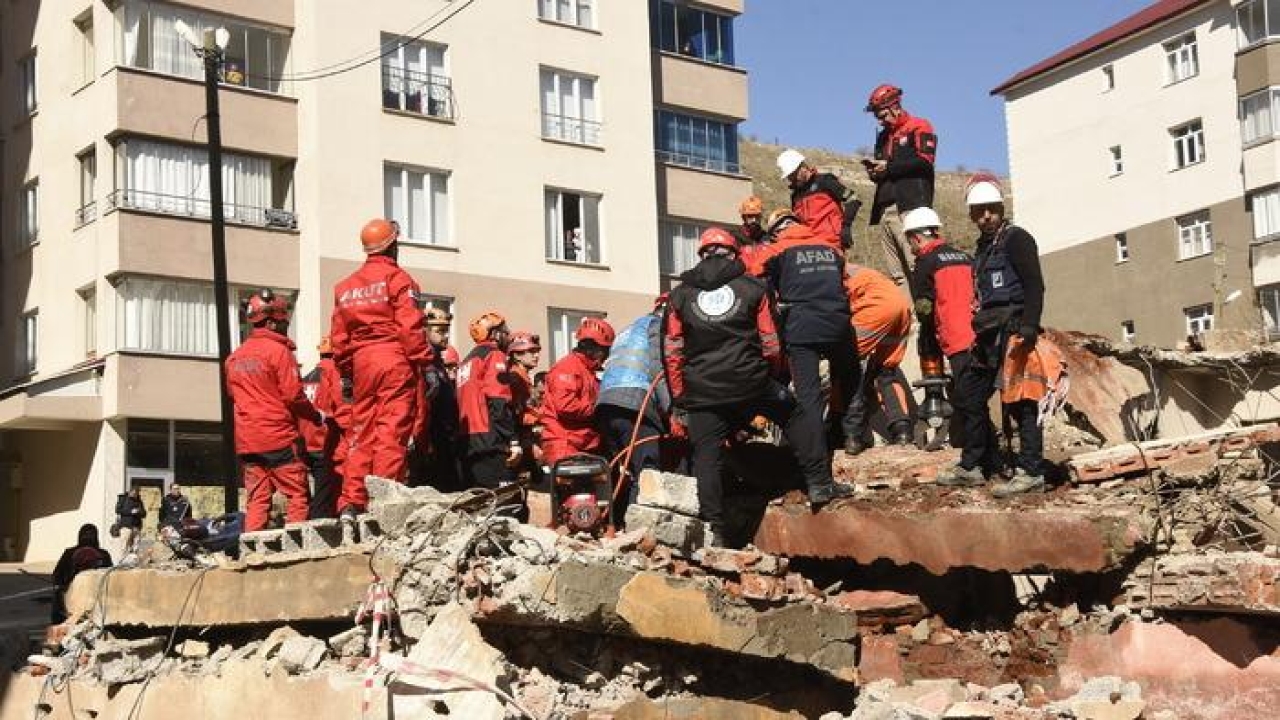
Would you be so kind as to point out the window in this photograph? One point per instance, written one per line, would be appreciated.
(415, 78)
(569, 108)
(678, 28)
(1265, 206)
(89, 303)
(168, 316)
(1117, 160)
(87, 162)
(189, 451)
(1256, 21)
(1199, 319)
(563, 325)
(1258, 114)
(1188, 144)
(697, 142)
(255, 56)
(419, 201)
(1122, 248)
(1108, 78)
(1182, 59)
(27, 76)
(26, 346)
(679, 246)
(84, 36)
(1128, 332)
(570, 12)
(1195, 235)
(1269, 299)
(29, 214)
(174, 180)
(573, 227)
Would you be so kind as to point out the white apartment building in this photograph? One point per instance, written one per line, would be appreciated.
(545, 158)
(1143, 160)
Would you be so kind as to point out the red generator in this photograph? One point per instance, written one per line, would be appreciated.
(581, 494)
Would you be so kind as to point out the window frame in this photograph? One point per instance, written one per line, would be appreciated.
(565, 326)
(575, 7)
(429, 176)
(1188, 139)
(1187, 226)
(687, 129)
(1199, 315)
(667, 255)
(87, 185)
(1270, 112)
(29, 214)
(561, 126)
(1263, 14)
(1116, 153)
(672, 11)
(1122, 248)
(1271, 196)
(554, 250)
(26, 350)
(1177, 56)
(89, 317)
(1269, 306)
(87, 44)
(28, 84)
(1128, 331)
(436, 94)
(1108, 77)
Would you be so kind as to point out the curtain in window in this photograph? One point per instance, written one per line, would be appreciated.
(174, 179)
(169, 317)
(439, 208)
(133, 13)
(585, 18)
(1266, 214)
(555, 234)
(591, 229)
(169, 52)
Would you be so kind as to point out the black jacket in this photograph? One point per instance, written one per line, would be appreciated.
(909, 148)
(1011, 248)
(173, 510)
(129, 511)
(806, 272)
(720, 338)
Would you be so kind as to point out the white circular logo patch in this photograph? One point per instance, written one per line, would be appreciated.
(716, 302)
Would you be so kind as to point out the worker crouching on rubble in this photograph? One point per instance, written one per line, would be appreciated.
(724, 363)
(569, 402)
(881, 324)
(263, 381)
(379, 345)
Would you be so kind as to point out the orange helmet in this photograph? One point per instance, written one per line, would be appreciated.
(751, 206)
(597, 330)
(450, 356)
(325, 347)
(263, 306)
(524, 341)
(883, 97)
(717, 237)
(482, 327)
(777, 216)
(378, 234)
(438, 318)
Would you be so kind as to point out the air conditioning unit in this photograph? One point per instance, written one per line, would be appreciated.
(280, 219)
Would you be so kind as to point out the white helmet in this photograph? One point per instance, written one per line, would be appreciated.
(788, 162)
(919, 219)
(983, 193)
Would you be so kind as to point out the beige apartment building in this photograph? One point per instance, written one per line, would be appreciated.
(545, 158)
(1144, 160)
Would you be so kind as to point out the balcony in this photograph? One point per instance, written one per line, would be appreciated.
(417, 93)
(570, 129)
(199, 208)
(689, 193)
(699, 162)
(683, 82)
(86, 214)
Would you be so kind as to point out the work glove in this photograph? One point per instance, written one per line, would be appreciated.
(514, 453)
(1029, 335)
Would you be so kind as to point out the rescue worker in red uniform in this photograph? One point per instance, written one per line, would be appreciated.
(569, 403)
(881, 324)
(525, 353)
(723, 362)
(452, 359)
(378, 342)
(819, 200)
(902, 169)
(326, 444)
(486, 414)
(263, 381)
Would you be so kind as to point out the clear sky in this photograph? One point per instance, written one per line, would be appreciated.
(812, 64)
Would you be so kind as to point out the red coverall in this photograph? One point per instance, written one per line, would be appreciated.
(568, 409)
(486, 417)
(262, 378)
(378, 341)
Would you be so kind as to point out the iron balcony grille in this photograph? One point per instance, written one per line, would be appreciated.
(87, 213)
(570, 129)
(186, 206)
(417, 92)
(700, 162)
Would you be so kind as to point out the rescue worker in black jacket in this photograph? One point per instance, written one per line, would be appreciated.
(723, 363)
(1010, 299)
(902, 169)
(806, 272)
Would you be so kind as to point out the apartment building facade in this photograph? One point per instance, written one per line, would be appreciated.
(1143, 160)
(516, 143)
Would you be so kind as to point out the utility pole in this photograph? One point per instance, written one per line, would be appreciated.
(210, 51)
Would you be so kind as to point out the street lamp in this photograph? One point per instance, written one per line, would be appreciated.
(209, 48)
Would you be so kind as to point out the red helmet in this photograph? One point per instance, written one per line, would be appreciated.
(482, 328)
(263, 306)
(378, 234)
(661, 301)
(597, 331)
(450, 356)
(717, 237)
(524, 341)
(884, 96)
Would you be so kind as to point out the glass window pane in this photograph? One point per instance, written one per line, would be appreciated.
(1273, 17)
(197, 453)
(417, 227)
(147, 443)
(591, 229)
(667, 23)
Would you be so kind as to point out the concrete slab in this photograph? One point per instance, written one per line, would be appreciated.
(288, 589)
(1138, 458)
(1235, 583)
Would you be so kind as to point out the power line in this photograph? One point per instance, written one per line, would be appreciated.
(381, 51)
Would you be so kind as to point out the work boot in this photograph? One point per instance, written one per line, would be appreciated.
(717, 537)
(900, 433)
(824, 495)
(1022, 482)
(856, 446)
(960, 476)
(349, 514)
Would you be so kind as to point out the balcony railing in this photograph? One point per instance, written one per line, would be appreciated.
(193, 207)
(570, 129)
(86, 213)
(417, 92)
(699, 162)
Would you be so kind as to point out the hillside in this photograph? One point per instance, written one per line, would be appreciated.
(758, 161)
